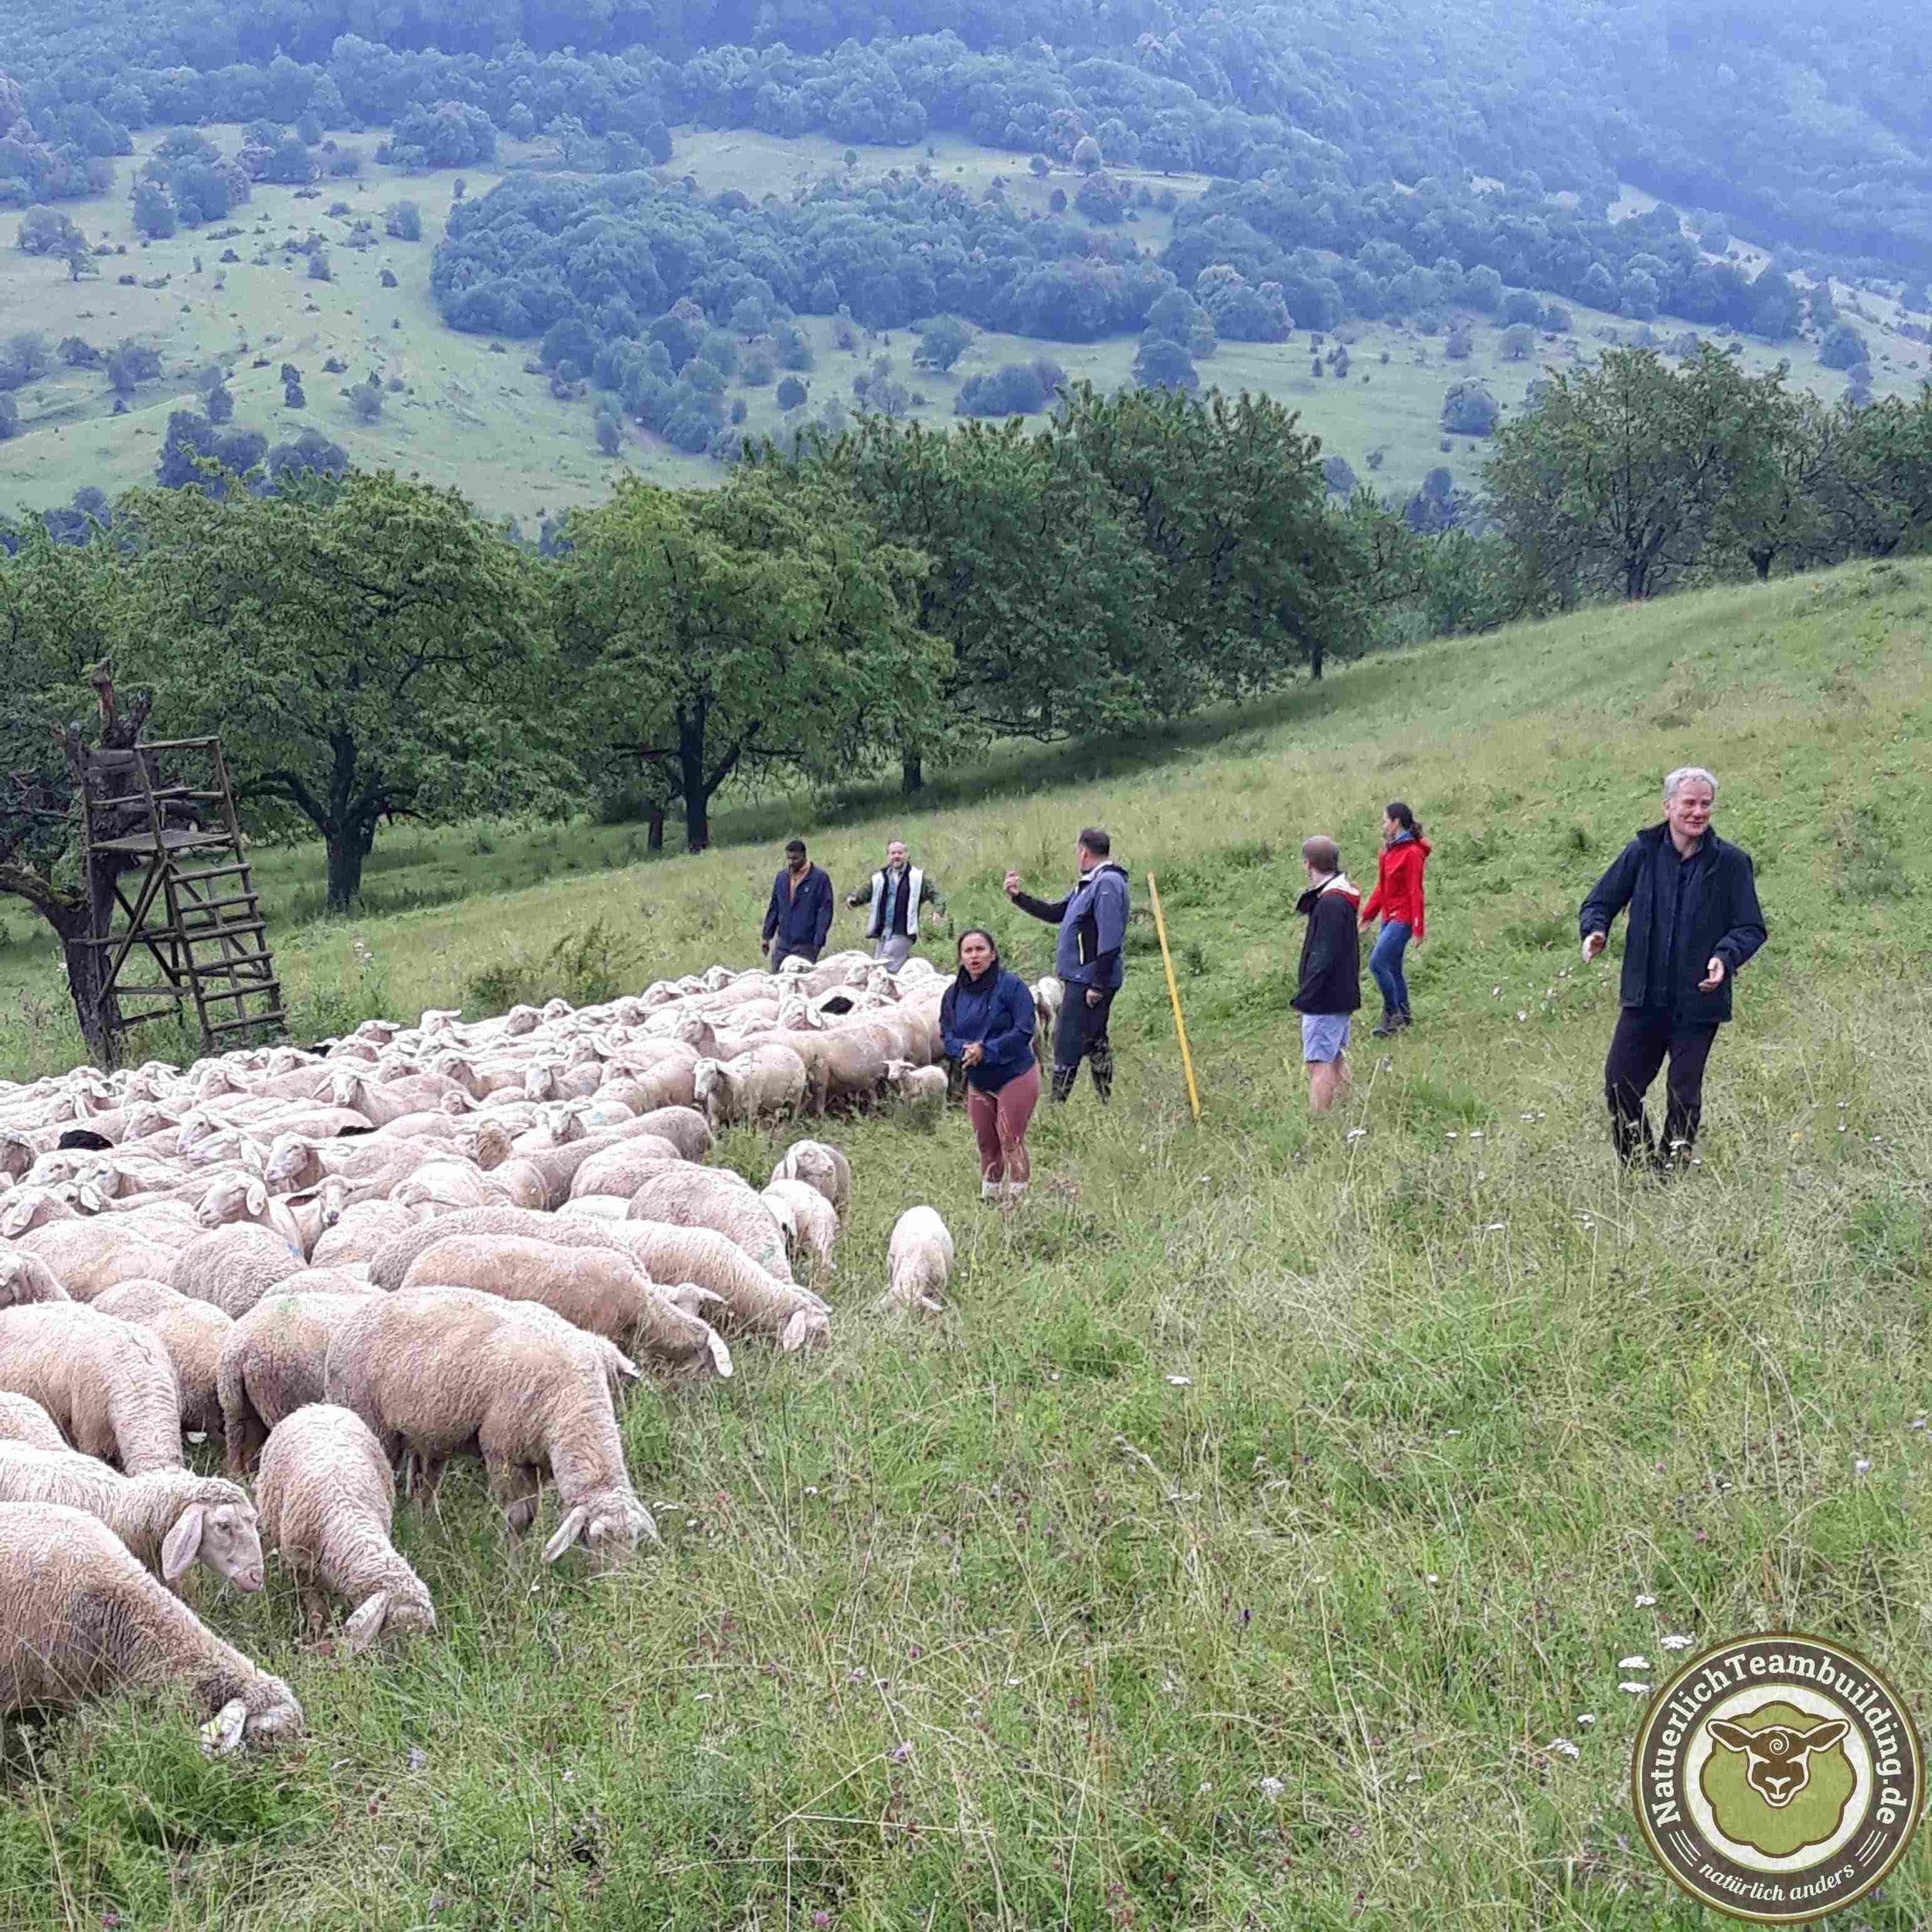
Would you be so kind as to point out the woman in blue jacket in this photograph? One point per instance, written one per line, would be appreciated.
(986, 1020)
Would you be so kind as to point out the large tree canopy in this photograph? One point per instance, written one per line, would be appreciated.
(367, 649)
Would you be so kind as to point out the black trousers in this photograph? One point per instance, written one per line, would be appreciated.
(1080, 1034)
(1645, 1039)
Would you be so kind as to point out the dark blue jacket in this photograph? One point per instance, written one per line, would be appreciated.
(997, 1012)
(799, 921)
(1093, 922)
(1719, 915)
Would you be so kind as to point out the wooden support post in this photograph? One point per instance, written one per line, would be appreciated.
(1174, 994)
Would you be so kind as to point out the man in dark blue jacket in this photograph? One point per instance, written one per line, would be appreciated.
(1086, 961)
(800, 914)
(1694, 920)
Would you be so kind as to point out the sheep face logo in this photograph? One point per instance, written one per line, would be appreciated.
(1778, 1778)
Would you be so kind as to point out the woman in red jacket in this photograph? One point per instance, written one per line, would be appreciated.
(1398, 899)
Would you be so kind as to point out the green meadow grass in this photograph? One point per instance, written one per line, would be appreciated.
(475, 419)
(1274, 1495)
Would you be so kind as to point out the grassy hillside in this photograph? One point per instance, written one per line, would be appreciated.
(468, 415)
(1274, 1497)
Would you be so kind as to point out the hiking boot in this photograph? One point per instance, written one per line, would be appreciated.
(1387, 1027)
(1405, 1019)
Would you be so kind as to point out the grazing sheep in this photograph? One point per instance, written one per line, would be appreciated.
(108, 1386)
(918, 1262)
(235, 1265)
(601, 1291)
(821, 1165)
(273, 1361)
(811, 1220)
(684, 1127)
(327, 1501)
(192, 1332)
(361, 1233)
(23, 1419)
(80, 1618)
(26, 1210)
(89, 1255)
(441, 1373)
(922, 1088)
(168, 1518)
(708, 1197)
(767, 1083)
(26, 1279)
(624, 1168)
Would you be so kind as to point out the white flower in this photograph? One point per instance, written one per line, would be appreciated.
(1272, 1789)
(1522, 1015)
(1863, 1467)
(900, 1754)
(1354, 1133)
(1917, 1422)
(1495, 1227)
(1180, 1381)
(1635, 1690)
(1566, 1747)
(1633, 1663)
(1585, 1719)
(1676, 1641)
(1432, 1578)
(1414, 1777)
(1644, 1602)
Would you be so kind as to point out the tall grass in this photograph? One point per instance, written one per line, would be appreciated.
(1275, 1497)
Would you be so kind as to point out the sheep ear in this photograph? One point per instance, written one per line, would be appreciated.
(222, 1732)
(720, 1353)
(1734, 1737)
(256, 1198)
(363, 1625)
(183, 1542)
(567, 1532)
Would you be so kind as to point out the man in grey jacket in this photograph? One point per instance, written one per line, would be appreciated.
(898, 893)
(1087, 959)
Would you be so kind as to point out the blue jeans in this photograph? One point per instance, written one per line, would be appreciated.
(1386, 962)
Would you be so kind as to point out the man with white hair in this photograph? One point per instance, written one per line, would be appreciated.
(1694, 921)
(898, 890)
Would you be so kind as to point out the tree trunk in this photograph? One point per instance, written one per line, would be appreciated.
(1761, 561)
(345, 855)
(692, 785)
(654, 830)
(912, 772)
(1316, 655)
(86, 980)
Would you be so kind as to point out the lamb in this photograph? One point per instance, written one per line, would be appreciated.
(437, 1373)
(108, 1386)
(26, 1279)
(812, 1219)
(79, 1617)
(767, 1082)
(328, 1500)
(234, 1266)
(923, 1088)
(91, 1255)
(821, 1166)
(23, 1419)
(709, 1197)
(274, 1361)
(601, 1291)
(192, 1333)
(168, 1518)
(919, 1262)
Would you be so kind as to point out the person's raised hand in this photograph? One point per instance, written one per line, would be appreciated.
(1593, 945)
(1012, 885)
(1713, 976)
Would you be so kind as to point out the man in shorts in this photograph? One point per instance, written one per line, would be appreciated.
(1330, 990)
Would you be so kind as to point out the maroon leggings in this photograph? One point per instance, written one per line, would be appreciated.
(999, 1125)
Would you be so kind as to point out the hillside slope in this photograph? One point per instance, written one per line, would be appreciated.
(1273, 1498)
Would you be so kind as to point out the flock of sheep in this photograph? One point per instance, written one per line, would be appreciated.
(353, 1264)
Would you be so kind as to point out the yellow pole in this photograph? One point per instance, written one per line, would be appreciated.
(1174, 994)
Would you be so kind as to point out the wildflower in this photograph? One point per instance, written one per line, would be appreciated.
(1635, 1690)
(1676, 1641)
(1414, 1777)
(901, 1754)
(1496, 1227)
(1272, 1789)
(1633, 1663)
(1522, 1015)
(1917, 1422)
(1585, 1719)
(1644, 1602)
(1566, 1747)
(1180, 1381)
(418, 1757)
(1354, 1133)
(819, 1919)
(1431, 1577)
(1863, 1466)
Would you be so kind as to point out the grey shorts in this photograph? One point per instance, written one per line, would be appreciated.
(894, 950)
(1324, 1036)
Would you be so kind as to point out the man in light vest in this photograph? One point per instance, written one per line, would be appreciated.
(893, 900)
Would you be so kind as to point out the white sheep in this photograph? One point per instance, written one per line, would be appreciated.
(109, 1386)
(235, 1265)
(80, 1618)
(602, 1291)
(23, 1419)
(26, 1279)
(442, 1371)
(91, 1255)
(192, 1332)
(168, 1518)
(811, 1220)
(767, 1082)
(922, 1088)
(273, 1362)
(327, 1502)
(689, 1196)
(821, 1165)
(919, 1262)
